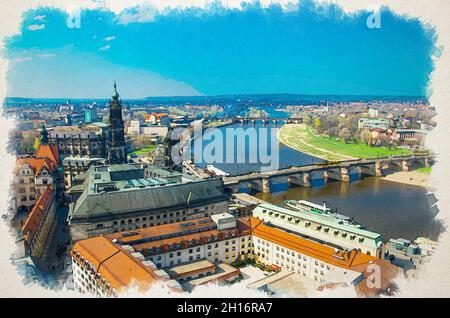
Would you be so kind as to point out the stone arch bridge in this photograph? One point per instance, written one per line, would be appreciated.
(341, 170)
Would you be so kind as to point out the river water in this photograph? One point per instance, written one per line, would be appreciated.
(391, 209)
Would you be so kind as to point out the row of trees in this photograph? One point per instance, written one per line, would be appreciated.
(345, 128)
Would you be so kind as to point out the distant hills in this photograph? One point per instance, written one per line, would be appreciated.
(266, 99)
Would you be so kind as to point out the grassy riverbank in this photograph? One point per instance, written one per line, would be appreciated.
(302, 138)
(143, 151)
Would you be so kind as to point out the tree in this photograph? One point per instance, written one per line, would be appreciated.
(366, 136)
(345, 134)
(27, 144)
(317, 122)
(37, 143)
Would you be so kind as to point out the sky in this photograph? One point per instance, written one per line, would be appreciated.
(302, 49)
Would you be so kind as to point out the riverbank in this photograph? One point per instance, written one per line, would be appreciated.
(302, 138)
(415, 178)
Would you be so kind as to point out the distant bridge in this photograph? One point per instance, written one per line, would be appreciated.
(266, 120)
(338, 170)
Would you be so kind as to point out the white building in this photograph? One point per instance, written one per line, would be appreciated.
(342, 233)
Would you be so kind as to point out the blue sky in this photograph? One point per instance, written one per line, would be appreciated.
(218, 51)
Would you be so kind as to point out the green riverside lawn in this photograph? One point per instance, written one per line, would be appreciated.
(301, 137)
(143, 151)
(424, 170)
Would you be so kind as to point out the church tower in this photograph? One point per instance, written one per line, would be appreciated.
(116, 146)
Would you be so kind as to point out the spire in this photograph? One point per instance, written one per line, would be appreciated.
(115, 95)
(44, 136)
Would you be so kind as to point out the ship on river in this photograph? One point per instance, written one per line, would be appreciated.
(323, 210)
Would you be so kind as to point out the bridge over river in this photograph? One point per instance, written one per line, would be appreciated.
(338, 170)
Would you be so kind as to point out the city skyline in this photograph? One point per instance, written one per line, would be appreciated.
(190, 53)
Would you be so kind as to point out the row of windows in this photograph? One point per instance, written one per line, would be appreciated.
(152, 220)
(317, 228)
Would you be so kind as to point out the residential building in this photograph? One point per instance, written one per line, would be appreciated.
(373, 112)
(33, 174)
(158, 118)
(372, 123)
(36, 227)
(414, 135)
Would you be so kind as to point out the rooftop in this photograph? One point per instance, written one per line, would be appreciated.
(112, 263)
(174, 236)
(345, 259)
(326, 220)
(104, 197)
(34, 218)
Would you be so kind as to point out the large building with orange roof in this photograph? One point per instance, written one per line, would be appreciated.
(223, 238)
(33, 174)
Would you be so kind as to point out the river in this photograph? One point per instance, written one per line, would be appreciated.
(391, 209)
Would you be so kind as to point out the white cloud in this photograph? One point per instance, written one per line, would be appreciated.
(39, 17)
(35, 27)
(140, 14)
(104, 48)
(109, 38)
(44, 55)
(21, 59)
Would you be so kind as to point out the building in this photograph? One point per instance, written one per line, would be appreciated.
(322, 228)
(412, 135)
(105, 269)
(404, 246)
(116, 145)
(158, 118)
(219, 238)
(36, 227)
(90, 114)
(104, 265)
(372, 123)
(125, 197)
(75, 166)
(135, 127)
(199, 251)
(89, 140)
(159, 131)
(373, 112)
(34, 174)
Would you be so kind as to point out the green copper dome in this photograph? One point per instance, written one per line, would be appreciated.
(115, 95)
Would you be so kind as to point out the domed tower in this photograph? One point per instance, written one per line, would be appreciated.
(116, 146)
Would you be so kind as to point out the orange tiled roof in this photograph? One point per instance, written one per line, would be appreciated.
(49, 151)
(114, 264)
(36, 164)
(204, 228)
(120, 269)
(157, 115)
(35, 217)
(319, 251)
